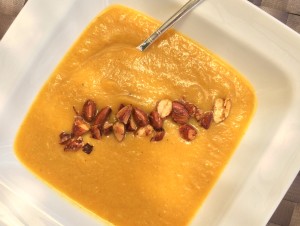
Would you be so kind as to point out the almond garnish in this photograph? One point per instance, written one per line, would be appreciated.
(221, 109)
(131, 126)
(96, 132)
(179, 113)
(89, 110)
(206, 119)
(198, 114)
(140, 117)
(74, 144)
(164, 108)
(124, 113)
(191, 108)
(187, 132)
(107, 128)
(87, 148)
(121, 106)
(132, 119)
(155, 120)
(119, 131)
(64, 138)
(227, 104)
(102, 116)
(80, 126)
(144, 131)
(158, 136)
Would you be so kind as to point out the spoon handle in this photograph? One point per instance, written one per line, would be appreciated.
(169, 23)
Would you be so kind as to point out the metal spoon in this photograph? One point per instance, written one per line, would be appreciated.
(169, 23)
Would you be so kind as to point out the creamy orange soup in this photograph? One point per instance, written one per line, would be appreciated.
(135, 182)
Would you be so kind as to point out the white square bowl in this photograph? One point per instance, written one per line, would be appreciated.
(265, 51)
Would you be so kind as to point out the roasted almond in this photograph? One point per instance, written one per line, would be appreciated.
(102, 116)
(64, 137)
(87, 148)
(198, 114)
(221, 109)
(206, 119)
(191, 108)
(179, 113)
(75, 144)
(164, 108)
(89, 110)
(124, 114)
(96, 132)
(140, 117)
(227, 105)
(144, 131)
(119, 130)
(121, 106)
(131, 126)
(107, 128)
(158, 136)
(187, 132)
(80, 126)
(155, 120)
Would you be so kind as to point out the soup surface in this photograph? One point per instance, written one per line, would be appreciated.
(135, 182)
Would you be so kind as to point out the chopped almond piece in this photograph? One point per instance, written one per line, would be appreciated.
(158, 136)
(187, 132)
(119, 131)
(64, 137)
(198, 114)
(121, 106)
(144, 131)
(140, 117)
(124, 114)
(179, 113)
(89, 110)
(221, 109)
(96, 132)
(206, 119)
(191, 108)
(102, 116)
(131, 126)
(227, 109)
(155, 120)
(107, 128)
(164, 108)
(75, 144)
(80, 126)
